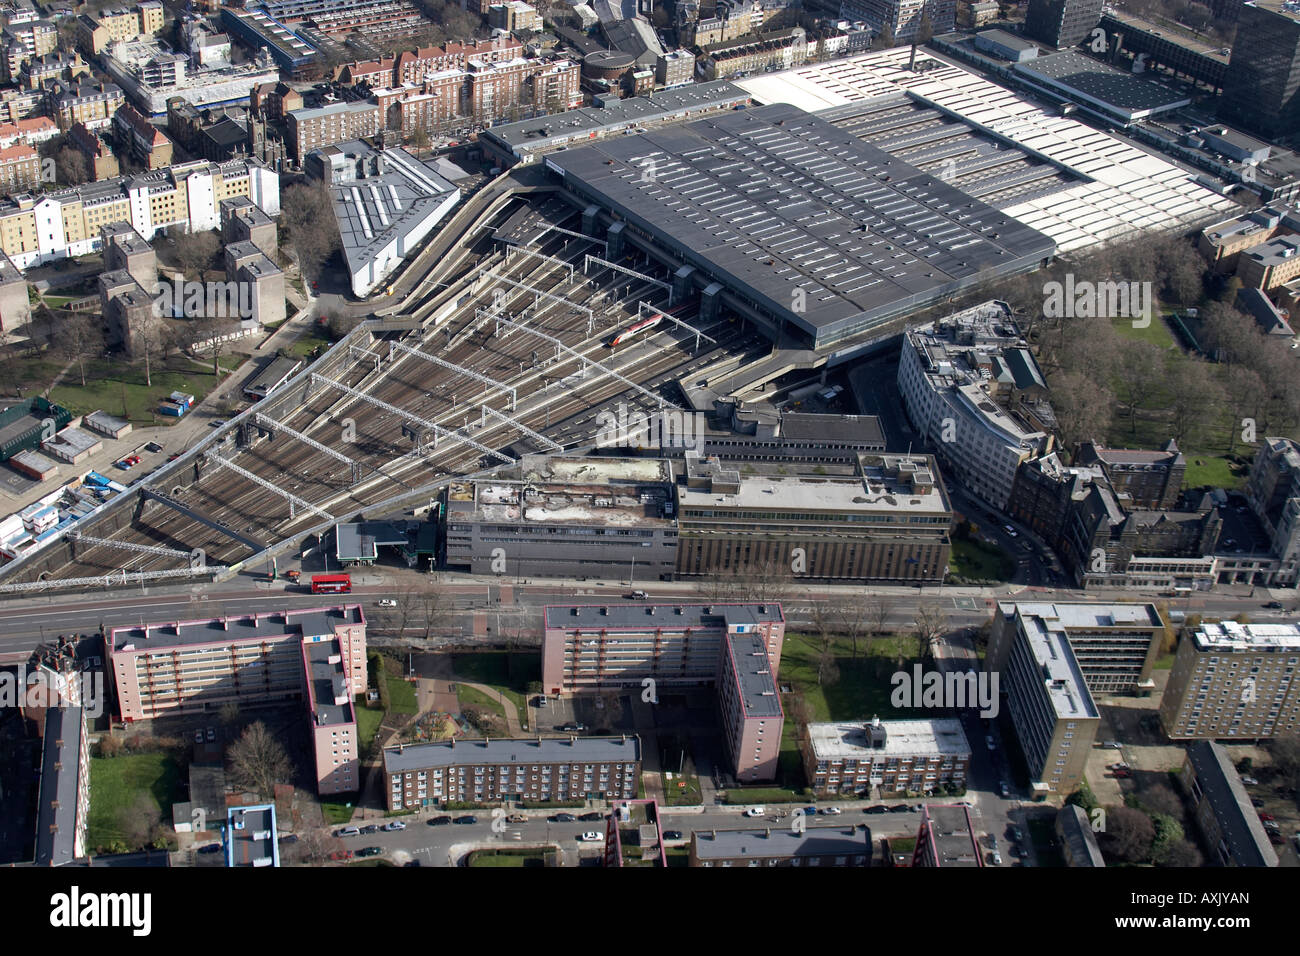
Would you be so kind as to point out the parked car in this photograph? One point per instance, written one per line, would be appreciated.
(591, 836)
(571, 728)
(387, 602)
(1004, 790)
(878, 808)
(1266, 816)
(1274, 605)
(153, 447)
(1113, 744)
(125, 465)
(563, 818)
(369, 828)
(673, 835)
(989, 740)
(466, 820)
(1257, 803)
(341, 855)
(830, 811)
(900, 808)
(370, 851)
(348, 832)
(212, 735)
(996, 858)
(516, 818)
(210, 848)
(288, 838)
(588, 817)
(809, 811)
(1016, 833)
(439, 821)
(1122, 774)
(1250, 781)
(198, 736)
(218, 423)
(394, 825)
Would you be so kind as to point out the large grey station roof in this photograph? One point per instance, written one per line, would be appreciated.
(772, 200)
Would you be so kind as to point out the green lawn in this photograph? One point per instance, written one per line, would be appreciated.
(505, 671)
(760, 795)
(336, 814)
(106, 381)
(492, 858)
(309, 345)
(401, 695)
(688, 796)
(1157, 333)
(981, 561)
(115, 783)
(863, 689)
(469, 697)
(368, 722)
(1206, 470)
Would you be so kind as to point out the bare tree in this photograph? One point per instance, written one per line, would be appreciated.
(306, 213)
(850, 612)
(1138, 376)
(929, 624)
(1128, 835)
(879, 607)
(1194, 395)
(196, 250)
(80, 338)
(258, 761)
(141, 821)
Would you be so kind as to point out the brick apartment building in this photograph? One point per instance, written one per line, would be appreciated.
(1222, 809)
(736, 647)
(20, 168)
(141, 140)
(529, 770)
(197, 666)
(1141, 479)
(310, 129)
(917, 756)
(91, 104)
(1233, 680)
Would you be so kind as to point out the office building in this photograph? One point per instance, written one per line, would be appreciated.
(197, 666)
(903, 18)
(1052, 712)
(1270, 264)
(523, 770)
(849, 759)
(1263, 78)
(889, 523)
(1228, 821)
(1233, 680)
(1062, 23)
(946, 838)
(590, 517)
(1114, 645)
(781, 846)
(971, 386)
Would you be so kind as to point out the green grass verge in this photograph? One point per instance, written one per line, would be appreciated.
(677, 856)
(760, 795)
(981, 561)
(499, 858)
(401, 695)
(470, 697)
(336, 814)
(107, 380)
(368, 722)
(116, 782)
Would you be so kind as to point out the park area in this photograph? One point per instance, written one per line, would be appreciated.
(130, 796)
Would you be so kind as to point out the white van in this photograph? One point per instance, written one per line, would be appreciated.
(755, 812)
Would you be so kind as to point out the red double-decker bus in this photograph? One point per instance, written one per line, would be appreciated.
(331, 584)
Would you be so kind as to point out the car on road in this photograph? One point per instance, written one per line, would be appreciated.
(591, 836)
(210, 848)
(878, 808)
(900, 808)
(673, 835)
(439, 821)
(1113, 744)
(369, 828)
(755, 812)
(1274, 605)
(466, 820)
(387, 602)
(563, 818)
(394, 825)
(638, 596)
(1004, 790)
(370, 851)
(588, 817)
(989, 740)
(348, 832)
(571, 728)
(1250, 781)
(516, 818)
(1010, 530)
(830, 811)
(809, 811)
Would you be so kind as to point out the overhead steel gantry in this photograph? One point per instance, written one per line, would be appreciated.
(540, 439)
(589, 259)
(537, 255)
(402, 414)
(561, 347)
(576, 235)
(538, 294)
(272, 425)
(642, 306)
(394, 347)
(77, 538)
(270, 486)
(118, 578)
(148, 494)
